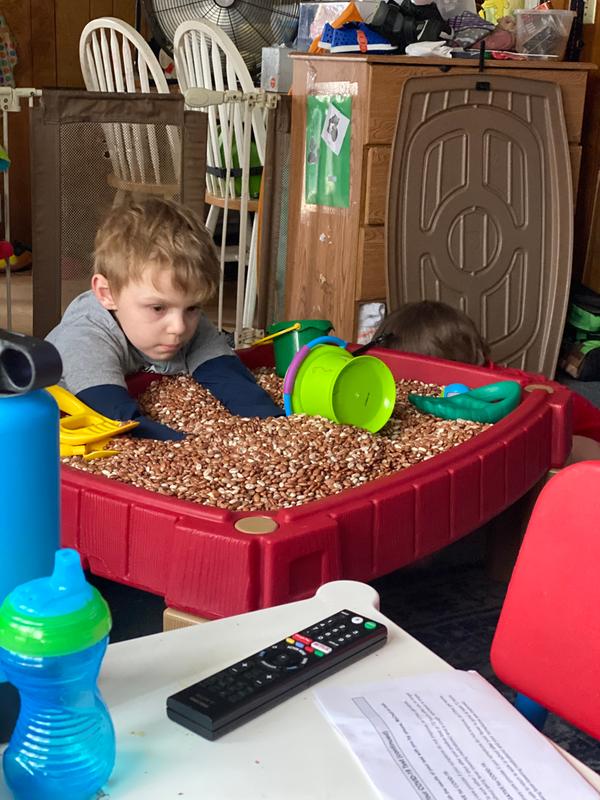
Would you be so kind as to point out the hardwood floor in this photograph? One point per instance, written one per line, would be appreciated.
(20, 283)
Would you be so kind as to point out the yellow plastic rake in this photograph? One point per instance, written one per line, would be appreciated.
(83, 431)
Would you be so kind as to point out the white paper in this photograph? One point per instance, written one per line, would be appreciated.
(335, 129)
(448, 736)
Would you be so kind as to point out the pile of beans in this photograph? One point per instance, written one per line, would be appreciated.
(253, 464)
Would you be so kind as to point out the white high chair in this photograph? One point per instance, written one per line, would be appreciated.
(205, 57)
(114, 57)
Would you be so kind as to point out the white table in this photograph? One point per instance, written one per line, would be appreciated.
(289, 752)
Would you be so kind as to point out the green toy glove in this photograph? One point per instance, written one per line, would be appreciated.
(487, 404)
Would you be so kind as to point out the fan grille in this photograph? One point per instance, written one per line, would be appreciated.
(251, 24)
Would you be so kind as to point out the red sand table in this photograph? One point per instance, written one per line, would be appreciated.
(198, 558)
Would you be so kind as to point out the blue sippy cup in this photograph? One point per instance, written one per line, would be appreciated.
(53, 635)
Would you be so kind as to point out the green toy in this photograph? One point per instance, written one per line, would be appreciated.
(487, 404)
(236, 172)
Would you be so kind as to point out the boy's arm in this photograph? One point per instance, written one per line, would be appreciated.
(216, 367)
(93, 370)
(234, 385)
(115, 402)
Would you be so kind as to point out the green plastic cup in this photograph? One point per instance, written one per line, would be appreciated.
(357, 391)
(287, 345)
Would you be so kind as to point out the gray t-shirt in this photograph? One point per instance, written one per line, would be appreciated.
(95, 351)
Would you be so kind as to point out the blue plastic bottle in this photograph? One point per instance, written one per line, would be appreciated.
(29, 487)
(53, 635)
(29, 474)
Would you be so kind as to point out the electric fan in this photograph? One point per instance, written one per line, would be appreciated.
(250, 24)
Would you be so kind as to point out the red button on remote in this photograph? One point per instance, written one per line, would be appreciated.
(299, 638)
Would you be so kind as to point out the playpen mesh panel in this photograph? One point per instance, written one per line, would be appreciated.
(94, 176)
(90, 151)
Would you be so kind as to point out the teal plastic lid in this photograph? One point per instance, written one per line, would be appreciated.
(54, 616)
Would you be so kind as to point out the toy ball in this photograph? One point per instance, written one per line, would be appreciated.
(454, 389)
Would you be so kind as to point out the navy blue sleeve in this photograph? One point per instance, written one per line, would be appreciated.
(115, 402)
(234, 385)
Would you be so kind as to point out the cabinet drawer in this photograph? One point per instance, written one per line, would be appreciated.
(370, 274)
(386, 84)
(377, 167)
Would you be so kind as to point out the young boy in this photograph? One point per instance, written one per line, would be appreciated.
(435, 329)
(154, 267)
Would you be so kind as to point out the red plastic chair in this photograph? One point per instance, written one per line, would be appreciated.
(547, 643)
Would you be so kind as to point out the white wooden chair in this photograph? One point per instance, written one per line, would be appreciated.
(205, 57)
(114, 57)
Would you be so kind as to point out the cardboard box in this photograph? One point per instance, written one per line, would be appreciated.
(277, 69)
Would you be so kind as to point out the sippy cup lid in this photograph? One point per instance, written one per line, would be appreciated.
(54, 616)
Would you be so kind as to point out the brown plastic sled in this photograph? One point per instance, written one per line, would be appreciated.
(480, 209)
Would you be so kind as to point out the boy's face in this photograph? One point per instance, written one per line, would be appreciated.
(156, 317)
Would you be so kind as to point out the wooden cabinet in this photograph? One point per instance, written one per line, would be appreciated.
(337, 256)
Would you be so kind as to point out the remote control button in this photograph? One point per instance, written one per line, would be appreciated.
(357, 620)
(300, 645)
(201, 700)
(300, 638)
(319, 653)
(295, 664)
(284, 658)
(251, 676)
(289, 640)
(322, 648)
(280, 659)
(370, 625)
(308, 649)
(237, 669)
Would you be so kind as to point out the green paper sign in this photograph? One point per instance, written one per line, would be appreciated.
(327, 164)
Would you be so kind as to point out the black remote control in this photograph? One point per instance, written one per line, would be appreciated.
(244, 690)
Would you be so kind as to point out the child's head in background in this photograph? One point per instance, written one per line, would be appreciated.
(155, 266)
(431, 328)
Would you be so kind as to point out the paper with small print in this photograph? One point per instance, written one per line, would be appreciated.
(448, 736)
(335, 128)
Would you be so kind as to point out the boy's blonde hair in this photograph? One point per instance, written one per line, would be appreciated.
(159, 234)
(431, 328)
